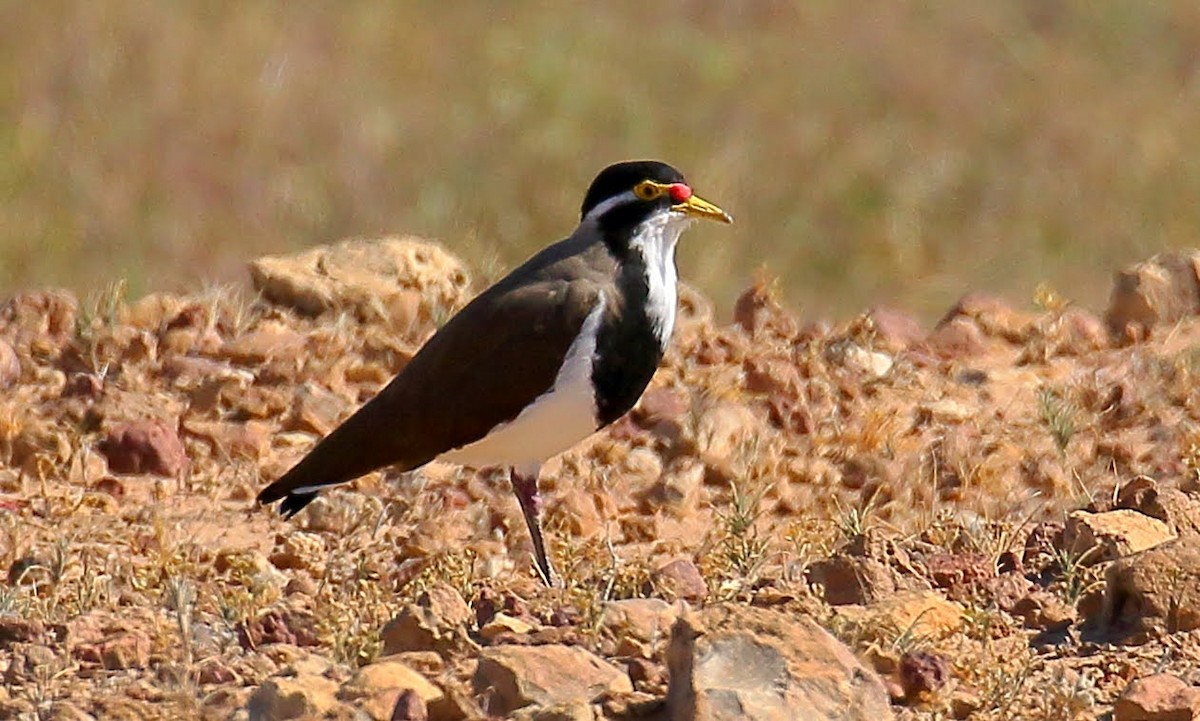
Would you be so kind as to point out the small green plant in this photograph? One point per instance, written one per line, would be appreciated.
(1077, 577)
(742, 551)
(1059, 415)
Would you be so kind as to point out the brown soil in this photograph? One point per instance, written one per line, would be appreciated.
(791, 463)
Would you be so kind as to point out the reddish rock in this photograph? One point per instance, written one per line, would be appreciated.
(956, 338)
(894, 329)
(295, 628)
(14, 629)
(921, 673)
(216, 672)
(409, 707)
(1161, 697)
(947, 570)
(149, 446)
(993, 315)
(681, 579)
(120, 651)
(10, 367)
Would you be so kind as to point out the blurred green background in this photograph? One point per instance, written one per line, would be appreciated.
(895, 152)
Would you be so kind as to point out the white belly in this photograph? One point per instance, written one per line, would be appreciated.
(554, 422)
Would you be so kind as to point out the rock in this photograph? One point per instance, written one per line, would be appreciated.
(119, 651)
(946, 411)
(643, 619)
(993, 315)
(923, 614)
(722, 430)
(1161, 289)
(299, 550)
(291, 627)
(14, 629)
(1044, 611)
(42, 320)
(922, 673)
(269, 339)
(149, 446)
(409, 707)
(748, 663)
(436, 622)
(871, 363)
(677, 490)
(956, 338)
(1100, 537)
(1161, 697)
(894, 329)
(852, 579)
(302, 697)
(374, 278)
(377, 687)
(10, 366)
(681, 579)
(215, 671)
(1179, 510)
(558, 712)
(316, 410)
(758, 309)
(502, 624)
(516, 676)
(250, 440)
(1156, 590)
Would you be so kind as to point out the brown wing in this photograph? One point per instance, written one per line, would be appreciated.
(481, 369)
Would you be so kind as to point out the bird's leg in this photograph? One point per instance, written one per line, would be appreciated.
(524, 484)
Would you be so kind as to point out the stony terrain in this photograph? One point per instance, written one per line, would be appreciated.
(994, 518)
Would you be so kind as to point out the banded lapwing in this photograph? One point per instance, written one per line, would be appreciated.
(562, 346)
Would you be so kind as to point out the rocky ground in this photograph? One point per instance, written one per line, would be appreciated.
(994, 518)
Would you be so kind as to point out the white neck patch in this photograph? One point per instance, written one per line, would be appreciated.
(655, 242)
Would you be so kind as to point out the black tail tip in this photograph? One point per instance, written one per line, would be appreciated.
(293, 503)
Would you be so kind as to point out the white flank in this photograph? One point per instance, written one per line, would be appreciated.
(554, 422)
(655, 241)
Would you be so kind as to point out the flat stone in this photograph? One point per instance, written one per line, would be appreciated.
(516, 676)
(732, 662)
(1100, 537)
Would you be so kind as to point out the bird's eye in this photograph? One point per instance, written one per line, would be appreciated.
(647, 190)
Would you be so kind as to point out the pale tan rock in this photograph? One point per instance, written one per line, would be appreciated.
(373, 278)
(517, 676)
(1161, 697)
(732, 662)
(301, 697)
(299, 550)
(1100, 537)
(722, 430)
(644, 619)
(502, 623)
(269, 339)
(376, 688)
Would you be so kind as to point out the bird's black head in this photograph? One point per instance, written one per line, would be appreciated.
(625, 194)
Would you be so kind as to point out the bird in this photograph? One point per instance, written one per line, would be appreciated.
(556, 350)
